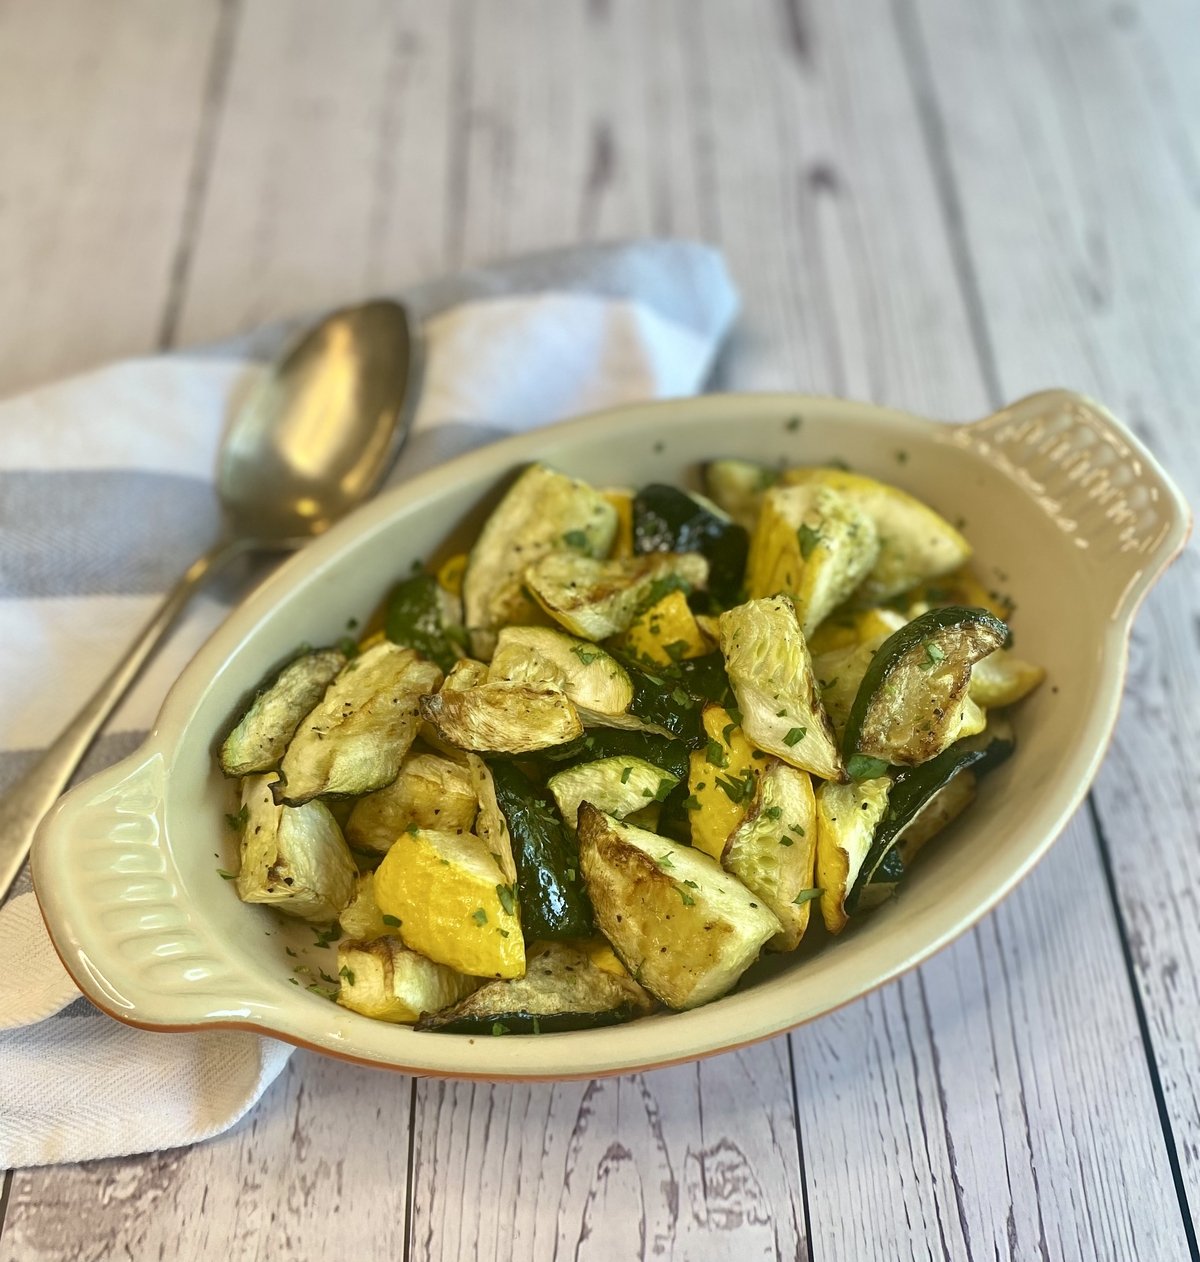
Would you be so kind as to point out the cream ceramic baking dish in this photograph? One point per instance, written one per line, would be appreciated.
(1067, 511)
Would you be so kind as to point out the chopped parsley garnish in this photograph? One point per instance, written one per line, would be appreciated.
(325, 936)
(681, 696)
(728, 731)
(625, 772)
(691, 803)
(934, 656)
(738, 790)
(226, 876)
(392, 922)
(664, 788)
(347, 973)
(716, 755)
(586, 654)
(479, 916)
(806, 896)
(238, 822)
(798, 829)
(348, 645)
(576, 539)
(570, 874)
(785, 840)
(664, 860)
(864, 767)
(795, 735)
(792, 424)
(498, 1027)
(413, 829)
(676, 650)
(688, 900)
(809, 538)
(505, 894)
(773, 812)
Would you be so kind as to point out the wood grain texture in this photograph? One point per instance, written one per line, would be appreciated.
(1083, 221)
(102, 115)
(319, 1164)
(996, 1104)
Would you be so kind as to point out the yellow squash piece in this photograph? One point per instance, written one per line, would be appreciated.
(667, 632)
(915, 543)
(684, 927)
(453, 903)
(361, 919)
(773, 850)
(812, 544)
(847, 815)
(1001, 679)
(621, 499)
(429, 792)
(385, 980)
(722, 779)
(450, 573)
(851, 627)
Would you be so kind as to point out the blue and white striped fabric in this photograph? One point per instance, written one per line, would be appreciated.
(105, 497)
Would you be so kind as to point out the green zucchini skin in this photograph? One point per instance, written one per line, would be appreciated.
(920, 630)
(667, 519)
(613, 742)
(550, 889)
(531, 1023)
(672, 697)
(912, 787)
(414, 619)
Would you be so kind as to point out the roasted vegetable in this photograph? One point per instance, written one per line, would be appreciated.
(554, 901)
(429, 792)
(561, 990)
(385, 980)
(618, 786)
(847, 816)
(913, 788)
(452, 902)
(361, 918)
(812, 544)
(597, 684)
(663, 751)
(940, 811)
(722, 781)
(503, 717)
(354, 740)
(737, 486)
(1000, 679)
(773, 850)
(772, 676)
(668, 519)
(851, 627)
(914, 542)
(621, 498)
(665, 633)
(421, 615)
(683, 926)
(911, 703)
(466, 673)
(543, 512)
(261, 736)
(292, 857)
(596, 599)
(490, 825)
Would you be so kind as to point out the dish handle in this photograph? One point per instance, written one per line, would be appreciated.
(114, 904)
(1096, 481)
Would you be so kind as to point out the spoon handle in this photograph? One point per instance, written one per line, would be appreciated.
(22, 809)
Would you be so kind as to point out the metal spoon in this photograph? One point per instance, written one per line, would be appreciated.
(311, 442)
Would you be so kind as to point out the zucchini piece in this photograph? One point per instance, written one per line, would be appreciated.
(503, 717)
(839, 674)
(429, 792)
(683, 926)
(355, 738)
(914, 788)
(1001, 679)
(852, 627)
(453, 903)
(543, 512)
(554, 901)
(665, 633)
(722, 781)
(594, 680)
(772, 677)
(939, 812)
(847, 816)
(773, 850)
(667, 707)
(260, 737)
(737, 486)
(385, 980)
(618, 786)
(663, 751)
(465, 673)
(668, 519)
(293, 858)
(596, 599)
(361, 920)
(418, 614)
(490, 825)
(562, 990)
(910, 703)
(811, 544)
(915, 544)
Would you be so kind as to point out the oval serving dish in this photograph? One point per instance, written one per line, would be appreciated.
(1068, 514)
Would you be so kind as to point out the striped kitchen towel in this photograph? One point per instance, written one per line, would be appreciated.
(106, 496)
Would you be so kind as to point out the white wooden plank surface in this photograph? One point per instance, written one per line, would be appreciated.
(999, 1101)
(1083, 217)
(100, 128)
